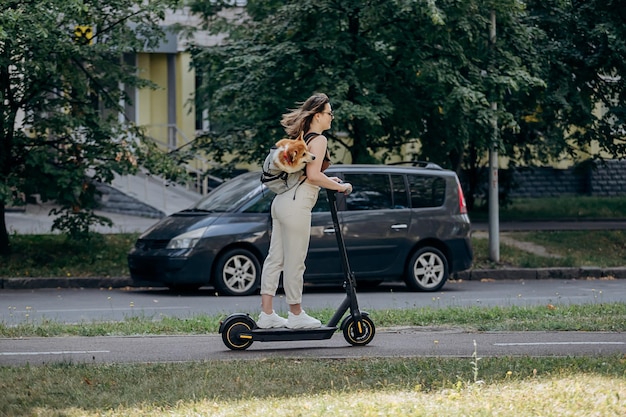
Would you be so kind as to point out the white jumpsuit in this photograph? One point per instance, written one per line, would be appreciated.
(291, 233)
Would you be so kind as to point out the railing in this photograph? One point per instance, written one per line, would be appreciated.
(170, 138)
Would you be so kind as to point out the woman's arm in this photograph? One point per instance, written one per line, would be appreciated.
(314, 174)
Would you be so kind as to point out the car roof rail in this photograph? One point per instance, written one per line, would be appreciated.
(419, 164)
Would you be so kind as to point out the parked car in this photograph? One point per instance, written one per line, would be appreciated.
(401, 223)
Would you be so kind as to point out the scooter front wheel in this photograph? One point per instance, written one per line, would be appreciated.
(359, 338)
(236, 333)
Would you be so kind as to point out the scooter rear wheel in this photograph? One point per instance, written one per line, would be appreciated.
(232, 331)
(351, 333)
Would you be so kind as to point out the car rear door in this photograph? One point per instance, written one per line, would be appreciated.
(374, 219)
(323, 262)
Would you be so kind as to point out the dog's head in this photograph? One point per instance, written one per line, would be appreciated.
(294, 153)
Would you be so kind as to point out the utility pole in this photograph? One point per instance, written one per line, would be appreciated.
(494, 217)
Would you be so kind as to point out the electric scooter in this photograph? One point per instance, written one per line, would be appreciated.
(239, 330)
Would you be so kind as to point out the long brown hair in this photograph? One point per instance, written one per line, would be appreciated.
(299, 120)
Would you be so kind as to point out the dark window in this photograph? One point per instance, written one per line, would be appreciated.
(427, 191)
(400, 196)
(322, 202)
(370, 192)
(199, 107)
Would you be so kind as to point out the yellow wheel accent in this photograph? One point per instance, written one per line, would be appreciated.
(232, 337)
(364, 334)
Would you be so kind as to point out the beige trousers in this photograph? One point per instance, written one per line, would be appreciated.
(291, 233)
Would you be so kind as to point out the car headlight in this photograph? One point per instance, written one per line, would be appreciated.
(187, 240)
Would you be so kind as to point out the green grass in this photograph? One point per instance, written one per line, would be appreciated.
(56, 256)
(313, 387)
(473, 386)
(559, 208)
(601, 248)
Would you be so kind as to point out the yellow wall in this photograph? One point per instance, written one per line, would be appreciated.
(185, 87)
(158, 97)
(151, 104)
(143, 96)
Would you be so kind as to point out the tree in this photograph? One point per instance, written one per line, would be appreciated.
(61, 67)
(397, 72)
(584, 45)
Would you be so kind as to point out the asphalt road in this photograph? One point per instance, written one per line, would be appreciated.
(409, 342)
(87, 305)
(75, 305)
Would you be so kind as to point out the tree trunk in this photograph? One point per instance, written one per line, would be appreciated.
(5, 249)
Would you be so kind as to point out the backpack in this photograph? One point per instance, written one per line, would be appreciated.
(276, 180)
(280, 181)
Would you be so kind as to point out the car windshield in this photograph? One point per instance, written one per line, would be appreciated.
(231, 194)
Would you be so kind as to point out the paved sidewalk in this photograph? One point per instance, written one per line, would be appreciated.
(34, 219)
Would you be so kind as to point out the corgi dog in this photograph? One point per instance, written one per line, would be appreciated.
(291, 155)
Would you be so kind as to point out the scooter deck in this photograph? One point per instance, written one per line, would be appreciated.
(271, 335)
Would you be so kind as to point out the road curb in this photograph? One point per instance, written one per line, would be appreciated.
(27, 283)
(542, 273)
(471, 275)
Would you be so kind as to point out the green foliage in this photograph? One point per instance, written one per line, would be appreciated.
(583, 44)
(60, 100)
(396, 71)
(419, 77)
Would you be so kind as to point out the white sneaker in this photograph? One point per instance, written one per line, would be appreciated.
(302, 321)
(270, 321)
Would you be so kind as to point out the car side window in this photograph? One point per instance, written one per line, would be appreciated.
(400, 196)
(322, 204)
(427, 191)
(370, 192)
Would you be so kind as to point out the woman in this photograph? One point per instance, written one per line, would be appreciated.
(291, 218)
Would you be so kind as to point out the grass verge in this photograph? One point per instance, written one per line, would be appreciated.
(552, 317)
(576, 248)
(313, 387)
(521, 386)
(559, 208)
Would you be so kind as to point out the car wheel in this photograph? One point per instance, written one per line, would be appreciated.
(237, 272)
(427, 270)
